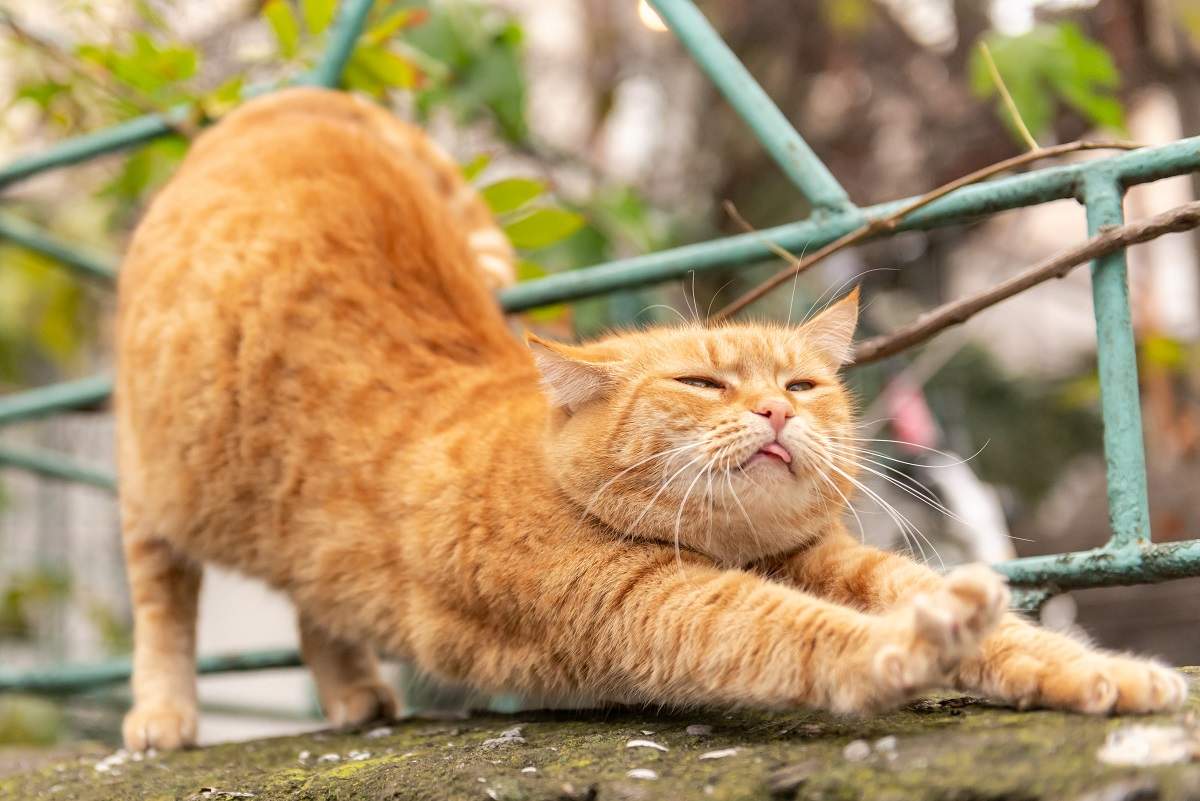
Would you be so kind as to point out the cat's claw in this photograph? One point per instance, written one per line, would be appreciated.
(935, 631)
(164, 726)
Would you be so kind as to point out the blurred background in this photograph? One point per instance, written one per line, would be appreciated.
(594, 136)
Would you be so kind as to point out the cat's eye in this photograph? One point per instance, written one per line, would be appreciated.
(698, 381)
(801, 386)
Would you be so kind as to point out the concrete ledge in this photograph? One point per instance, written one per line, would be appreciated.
(946, 749)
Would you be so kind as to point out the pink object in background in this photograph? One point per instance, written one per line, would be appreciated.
(911, 420)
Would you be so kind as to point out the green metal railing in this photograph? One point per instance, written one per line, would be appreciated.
(1129, 557)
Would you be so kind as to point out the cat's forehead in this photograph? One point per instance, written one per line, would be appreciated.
(743, 349)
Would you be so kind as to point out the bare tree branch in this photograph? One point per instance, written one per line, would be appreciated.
(889, 222)
(1110, 239)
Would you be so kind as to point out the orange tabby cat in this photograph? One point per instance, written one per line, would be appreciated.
(316, 387)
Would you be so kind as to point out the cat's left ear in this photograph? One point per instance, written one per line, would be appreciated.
(571, 375)
(831, 333)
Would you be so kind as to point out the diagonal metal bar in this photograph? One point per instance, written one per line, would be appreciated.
(1051, 183)
(352, 16)
(54, 398)
(81, 148)
(786, 146)
(53, 465)
(29, 236)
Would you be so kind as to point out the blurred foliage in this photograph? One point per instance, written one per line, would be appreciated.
(23, 594)
(40, 314)
(27, 720)
(1048, 66)
(1051, 419)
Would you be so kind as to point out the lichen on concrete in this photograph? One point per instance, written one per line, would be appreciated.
(944, 749)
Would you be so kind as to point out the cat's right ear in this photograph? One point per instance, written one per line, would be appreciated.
(571, 375)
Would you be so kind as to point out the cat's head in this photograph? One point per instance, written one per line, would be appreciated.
(732, 439)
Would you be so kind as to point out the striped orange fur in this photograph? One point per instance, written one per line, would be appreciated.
(316, 388)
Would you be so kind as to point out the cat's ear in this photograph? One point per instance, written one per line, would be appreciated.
(571, 375)
(831, 333)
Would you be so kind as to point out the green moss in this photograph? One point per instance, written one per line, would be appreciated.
(948, 749)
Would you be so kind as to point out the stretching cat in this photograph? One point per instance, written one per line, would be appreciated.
(316, 387)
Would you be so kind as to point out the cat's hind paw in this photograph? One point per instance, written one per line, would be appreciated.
(164, 726)
(937, 630)
(357, 704)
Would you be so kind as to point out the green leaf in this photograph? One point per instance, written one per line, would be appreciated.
(394, 22)
(283, 22)
(317, 14)
(1049, 65)
(511, 193)
(388, 68)
(471, 170)
(1164, 352)
(542, 227)
(43, 93)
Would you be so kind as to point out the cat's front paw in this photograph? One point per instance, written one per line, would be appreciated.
(935, 631)
(1089, 682)
(355, 704)
(162, 725)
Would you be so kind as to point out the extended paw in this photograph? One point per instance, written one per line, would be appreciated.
(165, 726)
(936, 630)
(355, 704)
(1095, 683)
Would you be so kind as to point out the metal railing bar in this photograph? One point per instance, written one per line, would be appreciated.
(29, 236)
(54, 398)
(352, 16)
(1106, 566)
(53, 465)
(786, 146)
(141, 130)
(1120, 404)
(124, 135)
(1001, 194)
(59, 679)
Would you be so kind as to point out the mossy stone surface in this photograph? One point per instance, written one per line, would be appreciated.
(947, 749)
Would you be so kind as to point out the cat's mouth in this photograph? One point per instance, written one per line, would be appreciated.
(773, 451)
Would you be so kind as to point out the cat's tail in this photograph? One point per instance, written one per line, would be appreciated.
(494, 254)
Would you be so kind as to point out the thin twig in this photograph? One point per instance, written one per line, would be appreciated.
(1109, 240)
(1009, 103)
(891, 221)
(97, 76)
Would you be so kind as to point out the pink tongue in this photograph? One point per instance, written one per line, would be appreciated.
(775, 449)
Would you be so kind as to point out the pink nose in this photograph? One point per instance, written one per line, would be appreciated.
(776, 410)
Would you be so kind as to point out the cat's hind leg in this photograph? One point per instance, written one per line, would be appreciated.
(349, 684)
(164, 588)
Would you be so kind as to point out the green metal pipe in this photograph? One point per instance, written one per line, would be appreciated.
(352, 16)
(1147, 563)
(65, 679)
(53, 465)
(54, 398)
(81, 148)
(33, 238)
(786, 146)
(1052, 183)
(1120, 405)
